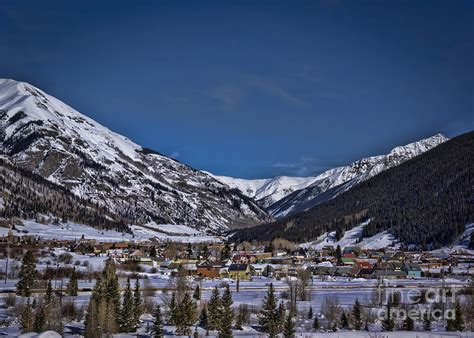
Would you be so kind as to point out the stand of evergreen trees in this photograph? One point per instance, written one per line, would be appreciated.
(108, 312)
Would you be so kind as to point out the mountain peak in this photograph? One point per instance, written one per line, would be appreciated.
(46, 136)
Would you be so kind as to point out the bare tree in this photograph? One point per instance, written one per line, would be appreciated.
(179, 286)
(332, 312)
(283, 244)
(292, 294)
(304, 284)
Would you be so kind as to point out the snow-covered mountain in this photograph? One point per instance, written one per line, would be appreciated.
(335, 181)
(282, 196)
(267, 191)
(44, 135)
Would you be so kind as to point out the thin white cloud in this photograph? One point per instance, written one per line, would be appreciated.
(227, 95)
(274, 89)
(241, 85)
(304, 166)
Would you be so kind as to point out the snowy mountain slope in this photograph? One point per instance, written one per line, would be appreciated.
(353, 237)
(461, 244)
(267, 191)
(283, 195)
(335, 181)
(47, 137)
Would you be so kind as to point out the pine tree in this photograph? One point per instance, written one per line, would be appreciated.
(240, 319)
(157, 330)
(357, 314)
(225, 330)
(205, 252)
(427, 323)
(49, 292)
(281, 316)
(456, 324)
(103, 315)
(91, 325)
(203, 318)
(94, 323)
(190, 251)
(310, 313)
(153, 252)
(137, 304)
(196, 332)
(26, 318)
(269, 248)
(187, 316)
(110, 322)
(40, 319)
(112, 288)
(126, 312)
(197, 293)
(214, 310)
(172, 310)
(316, 324)
(72, 287)
(27, 275)
(225, 253)
(388, 323)
(268, 317)
(450, 325)
(289, 328)
(458, 321)
(408, 323)
(344, 320)
(339, 255)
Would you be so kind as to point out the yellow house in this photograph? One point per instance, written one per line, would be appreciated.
(239, 271)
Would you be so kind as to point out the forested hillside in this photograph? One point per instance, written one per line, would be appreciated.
(30, 196)
(425, 201)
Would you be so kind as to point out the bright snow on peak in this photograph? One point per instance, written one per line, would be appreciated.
(46, 136)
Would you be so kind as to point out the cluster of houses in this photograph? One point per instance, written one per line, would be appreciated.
(208, 262)
(350, 262)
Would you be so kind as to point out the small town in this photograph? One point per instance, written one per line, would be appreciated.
(278, 259)
(304, 279)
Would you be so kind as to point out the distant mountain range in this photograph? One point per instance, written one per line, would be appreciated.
(267, 191)
(283, 196)
(426, 201)
(45, 136)
(58, 164)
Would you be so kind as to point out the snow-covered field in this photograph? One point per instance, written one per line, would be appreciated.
(346, 290)
(73, 231)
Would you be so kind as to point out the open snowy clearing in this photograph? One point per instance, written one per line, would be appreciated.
(350, 238)
(74, 231)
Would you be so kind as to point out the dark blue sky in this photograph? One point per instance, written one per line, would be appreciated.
(252, 89)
